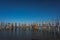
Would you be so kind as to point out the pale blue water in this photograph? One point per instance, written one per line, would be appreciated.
(28, 35)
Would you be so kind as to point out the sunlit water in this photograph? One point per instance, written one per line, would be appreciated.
(29, 35)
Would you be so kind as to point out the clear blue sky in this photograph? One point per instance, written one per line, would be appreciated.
(28, 10)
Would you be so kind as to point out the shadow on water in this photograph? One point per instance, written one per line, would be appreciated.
(19, 34)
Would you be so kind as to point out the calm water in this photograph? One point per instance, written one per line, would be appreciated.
(29, 35)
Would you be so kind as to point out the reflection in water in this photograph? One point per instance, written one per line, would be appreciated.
(28, 35)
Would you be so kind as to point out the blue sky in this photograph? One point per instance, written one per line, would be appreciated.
(28, 10)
